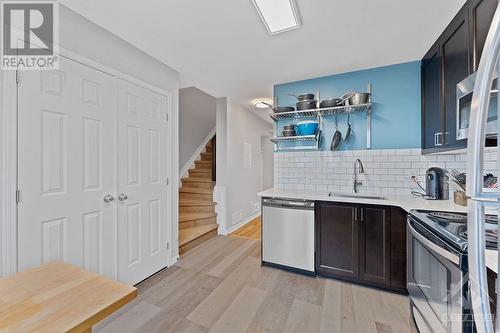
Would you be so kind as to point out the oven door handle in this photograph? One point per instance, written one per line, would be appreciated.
(434, 247)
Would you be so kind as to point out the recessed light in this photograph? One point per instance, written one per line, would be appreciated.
(261, 105)
(278, 15)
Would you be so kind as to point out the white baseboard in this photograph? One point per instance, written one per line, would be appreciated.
(196, 155)
(242, 223)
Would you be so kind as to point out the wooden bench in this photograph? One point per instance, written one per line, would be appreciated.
(59, 297)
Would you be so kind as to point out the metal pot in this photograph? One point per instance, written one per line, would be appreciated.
(279, 109)
(307, 104)
(289, 127)
(303, 97)
(345, 97)
(288, 132)
(359, 98)
(330, 103)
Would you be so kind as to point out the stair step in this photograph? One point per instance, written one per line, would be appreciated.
(190, 234)
(202, 194)
(203, 164)
(194, 184)
(197, 207)
(206, 156)
(196, 190)
(197, 223)
(198, 180)
(191, 237)
(196, 203)
(184, 217)
(200, 173)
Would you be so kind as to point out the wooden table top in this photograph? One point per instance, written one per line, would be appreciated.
(59, 297)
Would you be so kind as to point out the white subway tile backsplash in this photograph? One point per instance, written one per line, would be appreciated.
(386, 171)
(445, 158)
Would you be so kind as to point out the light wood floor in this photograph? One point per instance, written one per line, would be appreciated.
(220, 286)
(251, 230)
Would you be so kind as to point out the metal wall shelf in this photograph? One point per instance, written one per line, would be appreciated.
(320, 112)
(294, 138)
(313, 141)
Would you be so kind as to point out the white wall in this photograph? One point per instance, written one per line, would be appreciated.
(84, 37)
(196, 121)
(242, 174)
(267, 151)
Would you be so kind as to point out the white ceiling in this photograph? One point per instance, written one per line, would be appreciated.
(223, 48)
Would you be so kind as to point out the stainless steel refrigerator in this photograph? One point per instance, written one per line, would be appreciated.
(478, 198)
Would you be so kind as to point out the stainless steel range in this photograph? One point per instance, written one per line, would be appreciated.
(438, 281)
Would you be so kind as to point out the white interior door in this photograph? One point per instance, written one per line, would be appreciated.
(66, 167)
(142, 179)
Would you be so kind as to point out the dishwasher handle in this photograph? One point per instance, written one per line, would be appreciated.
(284, 203)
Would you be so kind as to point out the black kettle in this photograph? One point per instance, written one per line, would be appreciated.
(436, 184)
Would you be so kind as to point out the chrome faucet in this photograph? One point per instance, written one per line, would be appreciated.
(358, 168)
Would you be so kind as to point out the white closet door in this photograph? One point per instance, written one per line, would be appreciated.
(142, 177)
(66, 167)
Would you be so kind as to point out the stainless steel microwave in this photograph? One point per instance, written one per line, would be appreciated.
(465, 89)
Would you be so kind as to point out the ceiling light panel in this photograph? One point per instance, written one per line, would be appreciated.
(278, 15)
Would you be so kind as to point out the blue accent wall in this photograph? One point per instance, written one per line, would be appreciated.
(396, 118)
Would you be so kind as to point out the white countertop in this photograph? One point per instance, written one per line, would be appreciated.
(406, 202)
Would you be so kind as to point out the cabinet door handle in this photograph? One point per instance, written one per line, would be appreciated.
(438, 139)
(362, 213)
(355, 214)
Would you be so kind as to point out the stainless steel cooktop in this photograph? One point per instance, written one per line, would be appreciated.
(452, 227)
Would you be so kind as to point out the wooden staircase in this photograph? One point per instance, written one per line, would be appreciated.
(197, 217)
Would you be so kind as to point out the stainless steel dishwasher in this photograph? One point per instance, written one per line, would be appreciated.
(288, 234)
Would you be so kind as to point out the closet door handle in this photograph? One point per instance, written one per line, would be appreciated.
(122, 197)
(108, 198)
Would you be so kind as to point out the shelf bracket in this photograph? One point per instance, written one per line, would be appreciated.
(369, 119)
(369, 128)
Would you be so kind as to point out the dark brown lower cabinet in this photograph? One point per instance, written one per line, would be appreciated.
(362, 243)
(337, 240)
(398, 249)
(374, 244)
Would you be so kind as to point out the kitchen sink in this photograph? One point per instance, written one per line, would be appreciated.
(355, 196)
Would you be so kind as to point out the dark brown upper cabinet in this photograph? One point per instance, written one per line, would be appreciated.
(362, 243)
(432, 122)
(480, 16)
(453, 57)
(455, 68)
